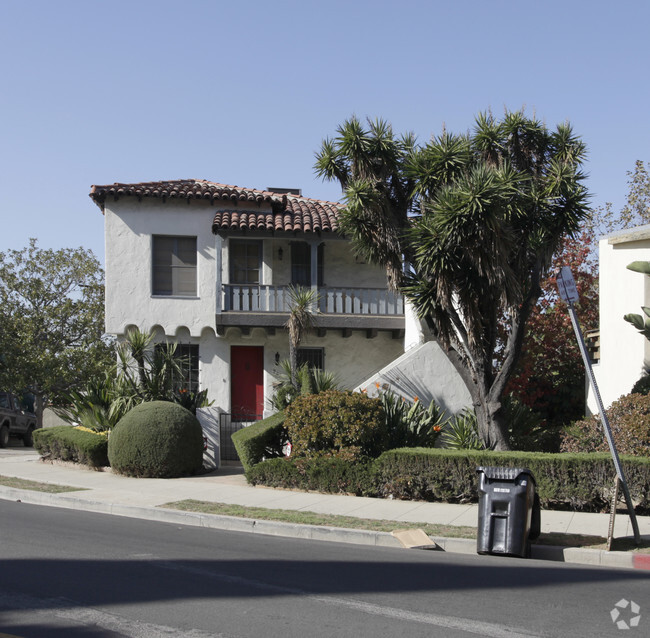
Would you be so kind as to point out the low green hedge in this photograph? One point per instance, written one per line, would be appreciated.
(67, 443)
(322, 474)
(582, 482)
(262, 439)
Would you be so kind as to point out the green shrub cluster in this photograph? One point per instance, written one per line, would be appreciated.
(157, 439)
(582, 482)
(263, 439)
(629, 419)
(344, 424)
(67, 443)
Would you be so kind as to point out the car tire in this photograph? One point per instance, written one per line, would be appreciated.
(4, 436)
(28, 437)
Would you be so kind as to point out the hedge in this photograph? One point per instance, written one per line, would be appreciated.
(322, 474)
(67, 443)
(582, 482)
(262, 439)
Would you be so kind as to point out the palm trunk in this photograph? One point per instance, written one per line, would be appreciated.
(293, 362)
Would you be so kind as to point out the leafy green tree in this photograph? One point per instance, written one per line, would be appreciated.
(51, 321)
(478, 217)
(550, 374)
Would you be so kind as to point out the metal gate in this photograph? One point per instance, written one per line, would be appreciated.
(227, 427)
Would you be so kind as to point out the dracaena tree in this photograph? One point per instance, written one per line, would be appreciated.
(477, 217)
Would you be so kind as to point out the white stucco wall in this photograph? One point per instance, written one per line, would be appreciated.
(425, 372)
(351, 358)
(129, 226)
(622, 348)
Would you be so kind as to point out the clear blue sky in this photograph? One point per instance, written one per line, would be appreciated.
(100, 91)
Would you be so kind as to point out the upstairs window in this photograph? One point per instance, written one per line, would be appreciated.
(245, 262)
(301, 264)
(174, 266)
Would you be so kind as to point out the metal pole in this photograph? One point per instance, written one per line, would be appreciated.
(605, 422)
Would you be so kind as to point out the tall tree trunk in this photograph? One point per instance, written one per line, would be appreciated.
(40, 406)
(492, 426)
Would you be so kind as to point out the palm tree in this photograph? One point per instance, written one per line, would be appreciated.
(301, 319)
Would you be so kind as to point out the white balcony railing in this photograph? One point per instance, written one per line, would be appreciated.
(340, 301)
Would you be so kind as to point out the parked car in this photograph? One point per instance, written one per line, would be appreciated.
(15, 420)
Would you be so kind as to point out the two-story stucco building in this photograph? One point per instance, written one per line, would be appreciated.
(208, 266)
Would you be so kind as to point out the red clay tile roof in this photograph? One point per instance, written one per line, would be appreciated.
(289, 213)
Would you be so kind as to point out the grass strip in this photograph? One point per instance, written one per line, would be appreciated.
(352, 522)
(312, 518)
(35, 486)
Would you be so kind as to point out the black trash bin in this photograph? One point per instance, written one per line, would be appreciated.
(508, 511)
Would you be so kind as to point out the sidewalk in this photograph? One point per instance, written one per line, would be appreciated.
(109, 493)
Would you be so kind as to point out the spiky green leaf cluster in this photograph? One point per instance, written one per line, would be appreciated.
(477, 218)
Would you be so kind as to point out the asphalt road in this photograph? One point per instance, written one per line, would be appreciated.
(74, 574)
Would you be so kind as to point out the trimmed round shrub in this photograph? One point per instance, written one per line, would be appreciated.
(157, 439)
(629, 418)
(343, 424)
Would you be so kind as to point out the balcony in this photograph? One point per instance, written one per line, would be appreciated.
(342, 308)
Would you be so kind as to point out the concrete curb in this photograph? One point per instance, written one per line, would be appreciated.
(576, 555)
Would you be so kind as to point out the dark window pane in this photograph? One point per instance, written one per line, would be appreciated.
(174, 265)
(245, 262)
(187, 355)
(313, 357)
(300, 264)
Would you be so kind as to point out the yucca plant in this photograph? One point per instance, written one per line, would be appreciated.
(461, 432)
(301, 319)
(411, 424)
(310, 381)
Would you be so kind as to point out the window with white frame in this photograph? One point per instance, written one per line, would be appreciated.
(174, 266)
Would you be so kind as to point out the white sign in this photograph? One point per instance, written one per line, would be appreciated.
(566, 285)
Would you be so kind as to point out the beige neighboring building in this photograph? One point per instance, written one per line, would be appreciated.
(624, 352)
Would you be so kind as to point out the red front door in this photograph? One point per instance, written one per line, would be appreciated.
(246, 382)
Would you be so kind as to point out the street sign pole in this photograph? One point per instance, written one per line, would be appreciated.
(568, 292)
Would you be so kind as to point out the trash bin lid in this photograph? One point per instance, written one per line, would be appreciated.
(504, 473)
